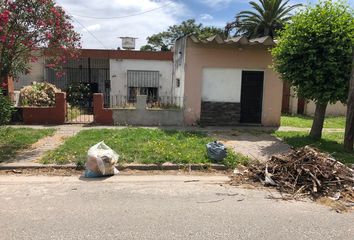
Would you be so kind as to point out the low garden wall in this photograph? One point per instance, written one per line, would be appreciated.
(46, 115)
(139, 116)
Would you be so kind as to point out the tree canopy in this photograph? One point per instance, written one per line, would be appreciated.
(267, 17)
(314, 54)
(29, 26)
(165, 40)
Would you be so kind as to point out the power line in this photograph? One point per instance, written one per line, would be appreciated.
(126, 16)
(93, 35)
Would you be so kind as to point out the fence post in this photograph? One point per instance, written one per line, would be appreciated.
(141, 102)
(60, 107)
(101, 115)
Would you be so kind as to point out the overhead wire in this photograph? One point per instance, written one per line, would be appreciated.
(74, 16)
(93, 35)
(126, 16)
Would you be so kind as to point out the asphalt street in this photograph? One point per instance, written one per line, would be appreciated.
(157, 207)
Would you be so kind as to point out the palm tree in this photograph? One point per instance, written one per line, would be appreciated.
(268, 17)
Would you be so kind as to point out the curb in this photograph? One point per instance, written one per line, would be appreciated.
(138, 167)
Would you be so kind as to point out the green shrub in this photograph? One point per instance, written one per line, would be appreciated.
(39, 94)
(6, 109)
(78, 94)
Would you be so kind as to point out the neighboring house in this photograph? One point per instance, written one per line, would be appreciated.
(293, 105)
(227, 82)
(115, 73)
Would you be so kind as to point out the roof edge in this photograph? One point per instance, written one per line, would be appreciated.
(239, 40)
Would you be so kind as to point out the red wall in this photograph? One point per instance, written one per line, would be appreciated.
(46, 115)
(102, 116)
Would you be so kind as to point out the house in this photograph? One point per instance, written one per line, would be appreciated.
(221, 82)
(293, 105)
(115, 73)
(227, 82)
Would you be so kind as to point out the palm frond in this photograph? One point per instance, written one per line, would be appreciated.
(266, 18)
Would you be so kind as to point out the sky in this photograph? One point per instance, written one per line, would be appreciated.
(101, 22)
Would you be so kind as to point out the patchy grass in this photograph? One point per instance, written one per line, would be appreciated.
(301, 121)
(331, 143)
(139, 145)
(13, 140)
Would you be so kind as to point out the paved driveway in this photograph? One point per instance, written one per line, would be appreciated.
(260, 146)
(157, 207)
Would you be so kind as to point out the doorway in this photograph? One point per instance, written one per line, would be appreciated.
(252, 97)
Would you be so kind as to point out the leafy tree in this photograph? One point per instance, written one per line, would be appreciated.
(27, 27)
(314, 55)
(147, 47)
(268, 17)
(165, 40)
(79, 94)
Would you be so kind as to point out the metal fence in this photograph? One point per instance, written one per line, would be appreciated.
(161, 102)
(165, 102)
(120, 101)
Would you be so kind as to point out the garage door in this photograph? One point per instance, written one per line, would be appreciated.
(221, 96)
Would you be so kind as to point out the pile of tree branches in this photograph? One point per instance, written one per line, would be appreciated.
(306, 173)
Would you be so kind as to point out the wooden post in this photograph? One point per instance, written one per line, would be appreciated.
(349, 129)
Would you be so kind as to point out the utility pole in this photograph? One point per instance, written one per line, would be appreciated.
(349, 129)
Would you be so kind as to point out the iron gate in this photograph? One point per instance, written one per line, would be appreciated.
(82, 77)
(80, 103)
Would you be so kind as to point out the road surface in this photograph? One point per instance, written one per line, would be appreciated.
(157, 207)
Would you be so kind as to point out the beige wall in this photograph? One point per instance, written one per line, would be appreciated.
(199, 56)
(338, 109)
(36, 74)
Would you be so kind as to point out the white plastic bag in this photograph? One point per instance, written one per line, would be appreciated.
(101, 161)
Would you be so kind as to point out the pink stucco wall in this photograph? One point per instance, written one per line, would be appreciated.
(199, 56)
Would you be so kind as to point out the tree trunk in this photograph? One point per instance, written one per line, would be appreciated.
(318, 121)
(349, 129)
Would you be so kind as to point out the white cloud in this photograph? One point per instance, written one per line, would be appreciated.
(108, 30)
(93, 27)
(206, 17)
(219, 4)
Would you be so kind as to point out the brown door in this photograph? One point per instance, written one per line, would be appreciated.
(286, 98)
(252, 97)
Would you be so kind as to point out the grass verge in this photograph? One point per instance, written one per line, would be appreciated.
(331, 143)
(139, 145)
(13, 140)
(301, 121)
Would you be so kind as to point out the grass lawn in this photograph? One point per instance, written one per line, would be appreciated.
(306, 121)
(140, 145)
(331, 143)
(14, 139)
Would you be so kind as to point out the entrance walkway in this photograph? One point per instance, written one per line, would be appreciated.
(257, 146)
(29, 157)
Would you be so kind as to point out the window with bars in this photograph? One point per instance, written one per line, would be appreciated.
(143, 83)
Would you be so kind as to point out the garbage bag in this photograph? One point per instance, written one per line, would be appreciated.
(216, 151)
(101, 161)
